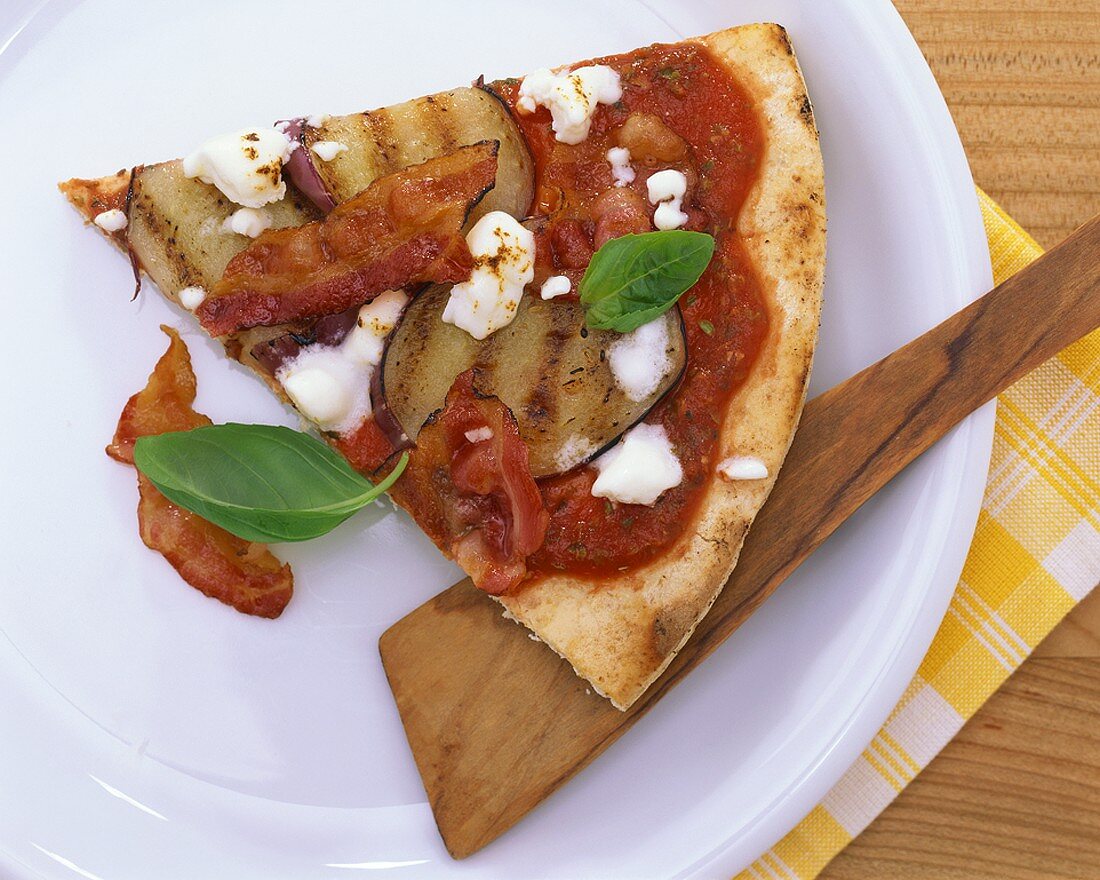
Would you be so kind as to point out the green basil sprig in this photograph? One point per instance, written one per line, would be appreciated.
(633, 279)
(260, 482)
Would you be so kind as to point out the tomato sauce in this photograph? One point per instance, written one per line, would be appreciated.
(724, 313)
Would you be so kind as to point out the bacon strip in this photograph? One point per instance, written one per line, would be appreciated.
(404, 228)
(476, 498)
(240, 573)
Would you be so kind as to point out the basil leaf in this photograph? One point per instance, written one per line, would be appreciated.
(260, 482)
(633, 279)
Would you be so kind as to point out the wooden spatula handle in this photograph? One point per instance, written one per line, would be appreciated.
(497, 722)
(857, 436)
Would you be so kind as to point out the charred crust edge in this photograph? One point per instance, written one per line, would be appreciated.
(806, 112)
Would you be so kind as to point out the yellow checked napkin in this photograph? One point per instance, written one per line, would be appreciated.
(1036, 554)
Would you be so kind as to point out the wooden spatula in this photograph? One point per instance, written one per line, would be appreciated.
(497, 721)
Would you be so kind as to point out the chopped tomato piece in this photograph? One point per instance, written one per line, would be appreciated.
(405, 228)
(619, 212)
(366, 448)
(469, 486)
(244, 574)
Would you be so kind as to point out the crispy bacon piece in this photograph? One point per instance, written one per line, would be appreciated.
(163, 405)
(404, 228)
(469, 486)
(240, 573)
(367, 448)
(244, 574)
(571, 243)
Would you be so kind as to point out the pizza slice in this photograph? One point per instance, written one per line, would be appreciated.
(473, 278)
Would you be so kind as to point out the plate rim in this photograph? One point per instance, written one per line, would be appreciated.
(978, 429)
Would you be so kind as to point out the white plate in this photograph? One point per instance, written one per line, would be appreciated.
(146, 731)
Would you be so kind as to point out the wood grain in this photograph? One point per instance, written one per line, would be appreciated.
(497, 723)
(1015, 794)
(1022, 79)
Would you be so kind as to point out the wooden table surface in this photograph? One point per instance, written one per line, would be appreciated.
(1017, 793)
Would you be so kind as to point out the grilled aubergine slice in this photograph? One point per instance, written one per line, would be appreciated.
(552, 372)
(386, 140)
(175, 222)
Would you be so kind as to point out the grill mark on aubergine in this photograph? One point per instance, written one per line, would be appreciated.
(541, 404)
(486, 359)
(159, 227)
(380, 125)
(438, 126)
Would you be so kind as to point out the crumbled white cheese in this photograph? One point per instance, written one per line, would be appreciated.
(377, 318)
(639, 359)
(325, 388)
(247, 221)
(192, 297)
(479, 434)
(329, 150)
(113, 220)
(328, 387)
(504, 262)
(571, 97)
(575, 450)
(621, 169)
(667, 190)
(316, 120)
(743, 467)
(639, 468)
(330, 384)
(246, 165)
(555, 285)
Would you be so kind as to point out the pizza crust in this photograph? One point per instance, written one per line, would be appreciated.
(620, 634)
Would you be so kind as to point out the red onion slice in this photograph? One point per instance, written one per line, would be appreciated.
(384, 417)
(329, 330)
(301, 170)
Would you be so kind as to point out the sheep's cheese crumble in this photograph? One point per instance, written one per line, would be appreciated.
(639, 359)
(330, 384)
(247, 221)
(743, 467)
(639, 469)
(621, 170)
(504, 262)
(329, 150)
(555, 285)
(192, 297)
(246, 165)
(571, 97)
(113, 220)
(326, 387)
(667, 190)
(377, 318)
